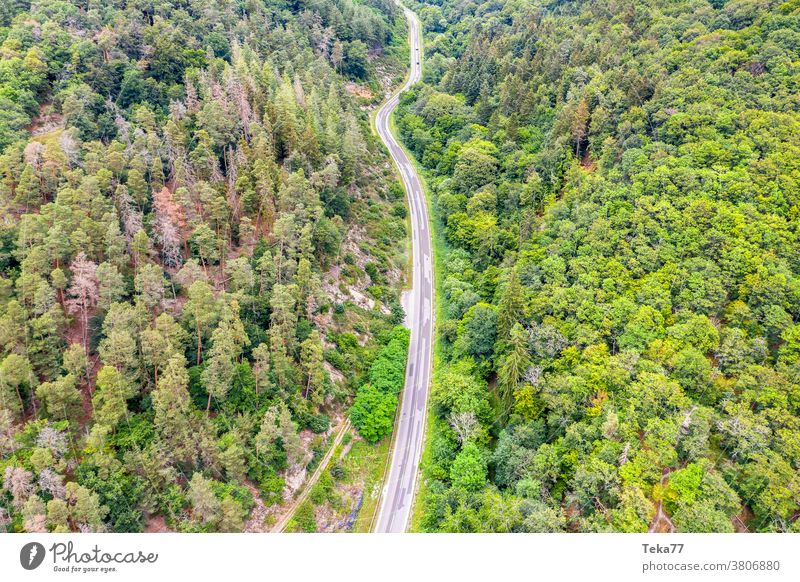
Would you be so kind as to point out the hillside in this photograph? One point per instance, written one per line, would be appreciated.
(201, 251)
(616, 185)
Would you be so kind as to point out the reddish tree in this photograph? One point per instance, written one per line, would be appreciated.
(83, 292)
(168, 226)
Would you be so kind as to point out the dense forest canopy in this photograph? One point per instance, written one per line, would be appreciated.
(617, 189)
(200, 251)
(201, 245)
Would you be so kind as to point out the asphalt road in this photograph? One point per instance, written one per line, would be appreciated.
(398, 491)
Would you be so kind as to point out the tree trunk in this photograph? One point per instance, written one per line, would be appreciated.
(199, 344)
(21, 403)
(86, 330)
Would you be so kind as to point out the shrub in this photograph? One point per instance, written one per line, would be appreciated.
(375, 404)
(373, 413)
(305, 519)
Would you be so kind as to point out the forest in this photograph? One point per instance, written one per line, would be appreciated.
(202, 247)
(617, 198)
(201, 251)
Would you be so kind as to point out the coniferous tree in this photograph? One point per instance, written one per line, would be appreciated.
(83, 292)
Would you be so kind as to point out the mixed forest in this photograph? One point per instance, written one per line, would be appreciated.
(617, 196)
(202, 246)
(201, 250)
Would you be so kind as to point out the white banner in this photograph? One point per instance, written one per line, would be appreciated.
(330, 558)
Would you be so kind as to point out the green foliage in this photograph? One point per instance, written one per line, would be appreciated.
(478, 331)
(321, 492)
(122, 493)
(317, 423)
(469, 469)
(356, 61)
(387, 371)
(271, 489)
(305, 519)
(620, 278)
(373, 413)
(137, 431)
(375, 403)
(178, 189)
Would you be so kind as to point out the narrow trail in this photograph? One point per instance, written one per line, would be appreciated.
(309, 484)
(661, 522)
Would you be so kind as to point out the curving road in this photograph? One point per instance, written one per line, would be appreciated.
(398, 491)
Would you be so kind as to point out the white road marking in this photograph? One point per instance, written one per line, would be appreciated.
(399, 489)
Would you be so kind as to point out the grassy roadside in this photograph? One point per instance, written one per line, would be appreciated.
(346, 497)
(371, 461)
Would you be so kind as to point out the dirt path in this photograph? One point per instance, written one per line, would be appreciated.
(661, 522)
(284, 521)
